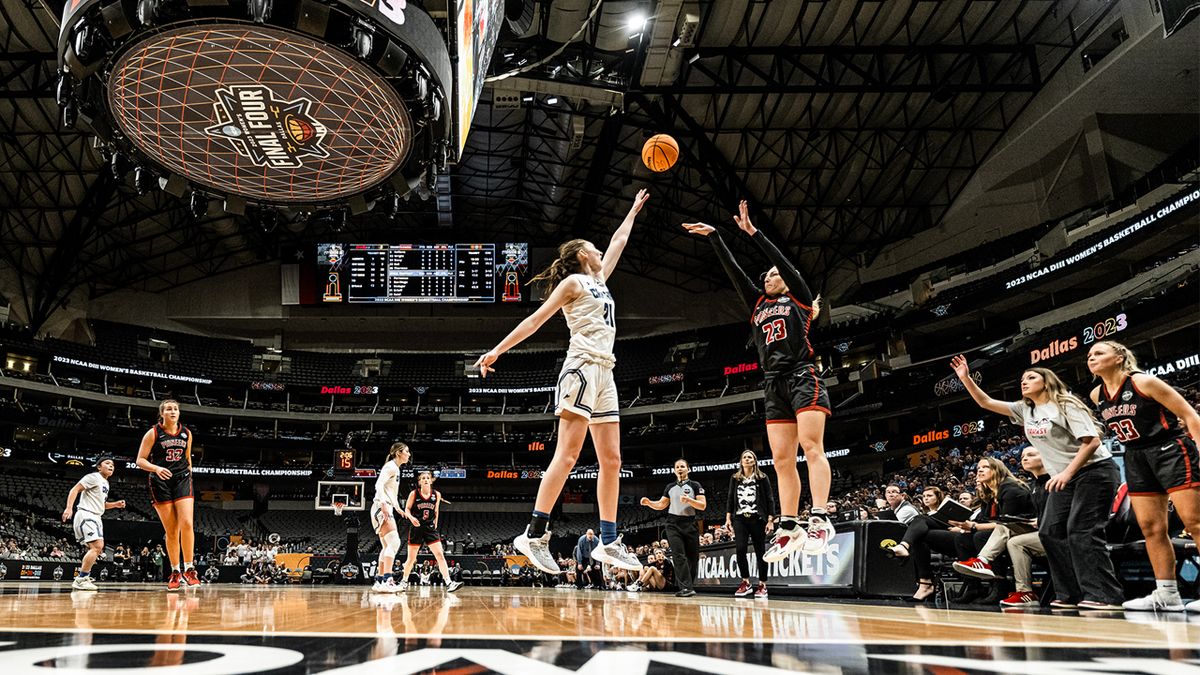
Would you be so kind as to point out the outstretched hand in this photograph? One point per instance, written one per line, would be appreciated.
(743, 219)
(642, 196)
(961, 369)
(484, 363)
(699, 228)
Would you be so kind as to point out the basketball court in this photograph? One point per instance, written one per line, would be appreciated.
(219, 629)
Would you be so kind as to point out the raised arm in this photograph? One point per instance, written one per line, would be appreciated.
(566, 291)
(742, 283)
(963, 371)
(621, 237)
(787, 271)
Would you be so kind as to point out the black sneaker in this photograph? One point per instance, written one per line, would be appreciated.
(684, 593)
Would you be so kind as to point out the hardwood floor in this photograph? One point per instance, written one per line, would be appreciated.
(428, 618)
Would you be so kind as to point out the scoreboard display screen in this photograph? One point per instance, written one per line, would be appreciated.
(389, 273)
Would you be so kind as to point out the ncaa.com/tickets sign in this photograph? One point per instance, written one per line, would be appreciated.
(719, 569)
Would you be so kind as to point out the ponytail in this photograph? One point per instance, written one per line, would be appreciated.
(1129, 362)
(564, 266)
(816, 307)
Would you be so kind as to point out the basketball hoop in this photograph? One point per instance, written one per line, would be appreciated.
(337, 508)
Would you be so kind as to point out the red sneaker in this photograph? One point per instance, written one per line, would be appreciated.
(1020, 599)
(974, 567)
(743, 590)
(761, 591)
(174, 581)
(191, 578)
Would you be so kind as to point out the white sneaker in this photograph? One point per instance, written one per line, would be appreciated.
(785, 543)
(615, 554)
(380, 587)
(538, 551)
(1158, 601)
(820, 533)
(83, 584)
(401, 587)
(453, 586)
(1193, 606)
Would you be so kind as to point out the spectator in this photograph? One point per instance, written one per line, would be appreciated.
(898, 502)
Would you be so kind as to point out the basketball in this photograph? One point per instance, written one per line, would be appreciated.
(660, 152)
(299, 129)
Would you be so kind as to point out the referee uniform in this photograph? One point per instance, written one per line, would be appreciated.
(683, 534)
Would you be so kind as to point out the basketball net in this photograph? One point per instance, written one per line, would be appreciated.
(337, 508)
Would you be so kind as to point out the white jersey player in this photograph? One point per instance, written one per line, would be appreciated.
(585, 397)
(384, 509)
(92, 491)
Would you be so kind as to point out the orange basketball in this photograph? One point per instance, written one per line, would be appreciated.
(660, 152)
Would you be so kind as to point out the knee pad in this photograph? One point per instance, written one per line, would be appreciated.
(391, 544)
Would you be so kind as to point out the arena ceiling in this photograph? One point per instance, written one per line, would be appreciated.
(849, 124)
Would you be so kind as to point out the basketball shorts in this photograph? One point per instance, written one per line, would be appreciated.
(1163, 468)
(178, 486)
(789, 394)
(423, 536)
(377, 515)
(587, 389)
(88, 527)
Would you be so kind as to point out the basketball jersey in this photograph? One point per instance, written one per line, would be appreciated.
(94, 494)
(780, 327)
(592, 320)
(387, 485)
(170, 451)
(425, 508)
(1134, 418)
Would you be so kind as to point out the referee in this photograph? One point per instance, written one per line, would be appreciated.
(683, 498)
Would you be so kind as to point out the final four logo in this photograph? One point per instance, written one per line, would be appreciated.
(268, 131)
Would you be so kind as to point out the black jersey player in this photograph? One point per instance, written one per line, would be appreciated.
(166, 453)
(781, 315)
(1161, 461)
(424, 504)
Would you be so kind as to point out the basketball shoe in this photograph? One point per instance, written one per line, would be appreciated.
(820, 533)
(191, 578)
(1158, 601)
(615, 554)
(453, 586)
(174, 581)
(538, 551)
(787, 541)
(83, 584)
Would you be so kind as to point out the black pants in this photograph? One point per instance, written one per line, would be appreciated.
(925, 535)
(745, 530)
(684, 538)
(1072, 532)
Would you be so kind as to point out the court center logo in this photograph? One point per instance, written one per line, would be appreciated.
(268, 131)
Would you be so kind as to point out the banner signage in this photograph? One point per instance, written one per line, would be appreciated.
(956, 431)
(741, 368)
(357, 390)
(1169, 367)
(1102, 329)
(834, 568)
(952, 385)
(510, 390)
(666, 379)
(268, 386)
(129, 371)
(1131, 226)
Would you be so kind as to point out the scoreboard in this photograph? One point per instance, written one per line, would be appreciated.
(391, 273)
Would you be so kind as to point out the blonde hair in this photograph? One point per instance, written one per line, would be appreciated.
(816, 311)
(1129, 362)
(758, 473)
(163, 405)
(397, 448)
(564, 266)
(1060, 395)
(987, 491)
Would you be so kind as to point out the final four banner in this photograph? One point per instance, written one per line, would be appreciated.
(833, 569)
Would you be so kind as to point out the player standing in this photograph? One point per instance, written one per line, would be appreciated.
(92, 491)
(586, 396)
(166, 453)
(796, 403)
(424, 504)
(1161, 461)
(383, 510)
